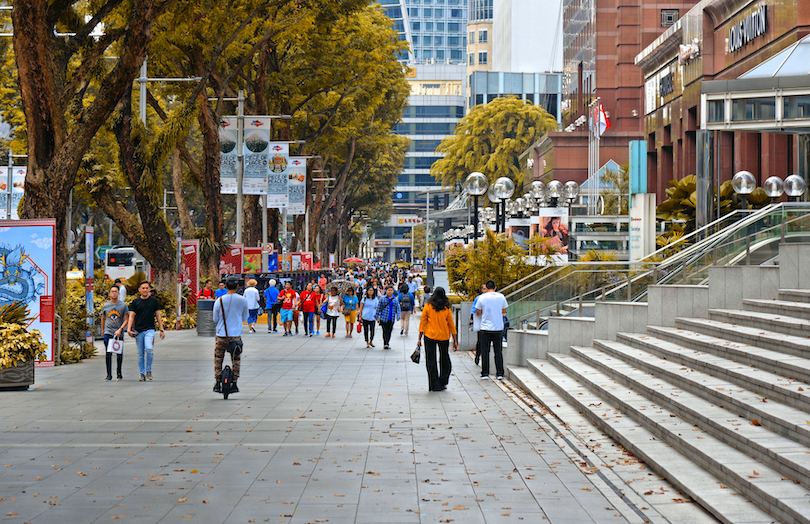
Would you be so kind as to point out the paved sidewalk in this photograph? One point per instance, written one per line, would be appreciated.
(323, 430)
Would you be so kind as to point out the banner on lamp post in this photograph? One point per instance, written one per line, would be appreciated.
(297, 185)
(228, 155)
(277, 186)
(190, 268)
(257, 153)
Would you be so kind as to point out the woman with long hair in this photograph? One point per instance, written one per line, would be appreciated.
(437, 327)
(308, 305)
(368, 308)
(332, 312)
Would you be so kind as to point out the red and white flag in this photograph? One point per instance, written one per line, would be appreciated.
(599, 121)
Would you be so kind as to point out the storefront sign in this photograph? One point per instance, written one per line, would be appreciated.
(749, 28)
(687, 52)
(642, 226)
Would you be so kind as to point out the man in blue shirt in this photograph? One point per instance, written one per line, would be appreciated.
(221, 291)
(230, 311)
(271, 306)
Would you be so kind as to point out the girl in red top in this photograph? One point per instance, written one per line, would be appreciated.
(206, 292)
(309, 303)
(318, 298)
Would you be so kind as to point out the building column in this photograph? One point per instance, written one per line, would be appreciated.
(704, 211)
(803, 160)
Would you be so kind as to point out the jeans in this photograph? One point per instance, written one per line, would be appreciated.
(146, 345)
(309, 322)
(388, 328)
(496, 339)
(331, 324)
(108, 357)
(437, 379)
(272, 317)
(368, 329)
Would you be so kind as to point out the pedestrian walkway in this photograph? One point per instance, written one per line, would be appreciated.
(323, 430)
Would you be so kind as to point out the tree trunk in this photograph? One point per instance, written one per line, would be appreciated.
(210, 184)
(252, 221)
(180, 196)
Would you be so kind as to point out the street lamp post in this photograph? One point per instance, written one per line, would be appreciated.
(744, 184)
(795, 187)
(476, 185)
(494, 199)
(505, 190)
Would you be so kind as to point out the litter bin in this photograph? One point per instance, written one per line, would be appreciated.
(205, 318)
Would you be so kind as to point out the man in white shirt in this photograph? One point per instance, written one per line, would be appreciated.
(230, 311)
(491, 307)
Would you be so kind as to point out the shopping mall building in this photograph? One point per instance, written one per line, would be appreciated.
(727, 88)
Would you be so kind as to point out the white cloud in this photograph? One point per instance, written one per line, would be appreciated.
(43, 243)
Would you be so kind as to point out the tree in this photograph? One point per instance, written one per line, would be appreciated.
(419, 244)
(490, 139)
(617, 195)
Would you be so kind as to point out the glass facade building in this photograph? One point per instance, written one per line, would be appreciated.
(436, 29)
(543, 89)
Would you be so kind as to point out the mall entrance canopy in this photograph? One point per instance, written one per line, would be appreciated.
(773, 97)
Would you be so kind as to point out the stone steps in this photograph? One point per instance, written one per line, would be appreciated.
(791, 308)
(796, 295)
(784, 324)
(792, 345)
(687, 476)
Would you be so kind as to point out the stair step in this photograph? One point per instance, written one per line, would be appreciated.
(778, 307)
(798, 295)
(784, 499)
(779, 452)
(773, 361)
(779, 323)
(792, 345)
(795, 393)
(785, 420)
(685, 475)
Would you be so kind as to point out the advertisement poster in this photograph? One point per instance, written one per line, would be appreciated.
(306, 261)
(554, 225)
(190, 267)
(231, 262)
(297, 185)
(257, 153)
(295, 261)
(5, 193)
(17, 189)
(331, 260)
(272, 262)
(227, 156)
(89, 284)
(27, 250)
(519, 229)
(253, 260)
(277, 193)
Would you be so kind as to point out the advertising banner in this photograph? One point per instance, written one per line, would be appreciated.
(554, 225)
(253, 260)
(27, 250)
(642, 226)
(257, 153)
(231, 263)
(272, 262)
(5, 193)
(332, 260)
(17, 189)
(277, 193)
(190, 267)
(89, 284)
(227, 156)
(306, 261)
(519, 229)
(297, 185)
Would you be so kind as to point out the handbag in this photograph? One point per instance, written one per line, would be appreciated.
(323, 311)
(115, 345)
(359, 327)
(415, 356)
(234, 346)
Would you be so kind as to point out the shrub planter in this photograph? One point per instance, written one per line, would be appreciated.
(18, 377)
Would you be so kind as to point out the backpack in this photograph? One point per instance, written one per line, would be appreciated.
(405, 302)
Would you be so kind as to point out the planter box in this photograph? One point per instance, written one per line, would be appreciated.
(19, 377)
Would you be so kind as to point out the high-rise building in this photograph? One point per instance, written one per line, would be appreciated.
(527, 36)
(479, 36)
(434, 28)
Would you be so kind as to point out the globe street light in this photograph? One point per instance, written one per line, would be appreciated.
(774, 187)
(476, 185)
(744, 184)
(505, 190)
(795, 186)
(493, 197)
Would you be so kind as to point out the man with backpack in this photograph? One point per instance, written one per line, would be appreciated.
(406, 303)
(230, 311)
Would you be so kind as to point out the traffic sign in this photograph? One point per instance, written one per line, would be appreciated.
(431, 261)
(101, 251)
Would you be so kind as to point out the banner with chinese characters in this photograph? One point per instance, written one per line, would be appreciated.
(190, 268)
(257, 154)
(297, 185)
(231, 263)
(277, 187)
(228, 155)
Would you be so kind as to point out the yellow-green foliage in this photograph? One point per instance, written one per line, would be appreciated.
(14, 313)
(74, 323)
(19, 345)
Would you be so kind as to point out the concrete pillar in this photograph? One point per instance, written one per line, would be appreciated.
(704, 213)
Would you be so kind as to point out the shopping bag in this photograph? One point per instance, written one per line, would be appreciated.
(415, 356)
(115, 345)
(360, 327)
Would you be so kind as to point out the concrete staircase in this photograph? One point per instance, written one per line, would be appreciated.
(712, 391)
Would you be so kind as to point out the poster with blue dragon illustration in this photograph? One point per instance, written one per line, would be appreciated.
(27, 261)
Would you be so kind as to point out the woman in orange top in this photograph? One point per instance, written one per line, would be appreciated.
(437, 327)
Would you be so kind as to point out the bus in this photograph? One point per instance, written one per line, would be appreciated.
(123, 262)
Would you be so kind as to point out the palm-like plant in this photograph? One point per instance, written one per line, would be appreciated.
(14, 313)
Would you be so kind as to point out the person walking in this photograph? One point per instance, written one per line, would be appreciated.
(142, 314)
(437, 327)
(114, 322)
(368, 309)
(491, 307)
(388, 312)
(273, 305)
(289, 301)
(221, 291)
(406, 303)
(309, 302)
(251, 294)
(207, 291)
(320, 298)
(230, 310)
(350, 302)
(332, 312)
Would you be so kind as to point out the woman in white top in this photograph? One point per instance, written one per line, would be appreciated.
(333, 306)
(251, 294)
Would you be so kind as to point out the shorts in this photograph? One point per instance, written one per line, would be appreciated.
(351, 317)
(286, 315)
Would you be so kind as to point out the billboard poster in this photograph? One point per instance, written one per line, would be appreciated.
(297, 185)
(231, 262)
(257, 153)
(27, 250)
(17, 189)
(306, 261)
(5, 193)
(272, 262)
(190, 267)
(295, 261)
(519, 229)
(253, 260)
(332, 261)
(228, 155)
(89, 283)
(554, 225)
(277, 193)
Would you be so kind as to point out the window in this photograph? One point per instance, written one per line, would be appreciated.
(415, 26)
(453, 41)
(716, 111)
(453, 27)
(472, 37)
(426, 40)
(483, 36)
(472, 59)
(456, 54)
(438, 40)
(427, 12)
(753, 109)
(482, 58)
(440, 54)
(427, 54)
(428, 26)
(416, 39)
(456, 13)
(439, 26)
(438, 13)
(413, 11)
(797, 106)
(668, 17)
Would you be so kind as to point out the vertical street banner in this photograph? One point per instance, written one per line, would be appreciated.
(272, 262)
(89, 283)
(17, 189)
(277, 187)
(190, 267)
(5, 193)
(228, 155)
(231, 263)
(253, 260)
(297, 185)
(257, 153)
(27, 250)
(306, 261)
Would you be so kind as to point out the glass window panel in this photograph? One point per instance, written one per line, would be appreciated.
(492, 83)
(428, 26)
(799, 62)
(427, 12)
(528, 83)
(753, 109)
(438, 13)
(453, 27)
(440, 54)
(438, 40)
(716, 110)
(797, 106)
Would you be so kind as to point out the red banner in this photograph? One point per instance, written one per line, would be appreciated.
(232, 262)
(190, 267)
(306, 261)
(253, 260)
